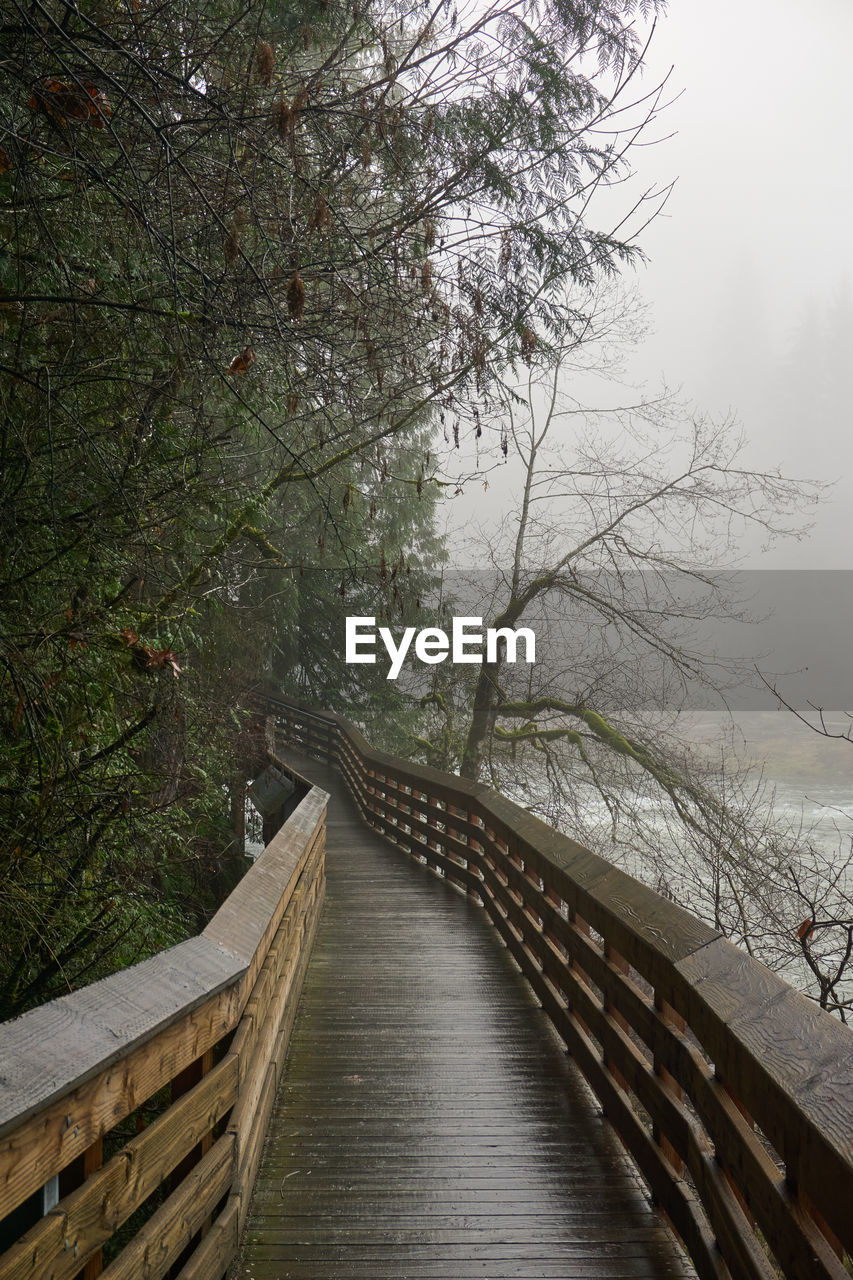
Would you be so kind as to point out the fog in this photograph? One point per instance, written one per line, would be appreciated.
(751, 263)
(749, 273)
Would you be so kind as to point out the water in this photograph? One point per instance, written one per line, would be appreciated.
(810, 776)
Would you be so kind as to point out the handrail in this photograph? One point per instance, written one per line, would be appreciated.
(732, 1091)
(197, 1033)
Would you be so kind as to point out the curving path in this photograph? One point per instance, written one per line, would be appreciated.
(428, 1123)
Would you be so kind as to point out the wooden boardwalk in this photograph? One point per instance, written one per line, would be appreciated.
(428, 1123)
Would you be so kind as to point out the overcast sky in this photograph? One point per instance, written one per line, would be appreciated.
(749, 262)
(755, 241)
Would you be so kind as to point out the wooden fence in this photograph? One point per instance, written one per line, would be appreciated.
(732, 1092)
(139, 1104)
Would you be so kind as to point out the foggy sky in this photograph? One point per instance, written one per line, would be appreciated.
(755, 244)
(751, 262)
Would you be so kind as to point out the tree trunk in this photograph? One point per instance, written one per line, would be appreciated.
(482, 719)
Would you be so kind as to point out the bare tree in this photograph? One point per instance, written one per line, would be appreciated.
(615, 537)
(622, 514)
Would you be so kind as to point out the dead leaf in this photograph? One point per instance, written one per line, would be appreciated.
(64, 102)
(296, 297)
(243, 362)
(163, 658)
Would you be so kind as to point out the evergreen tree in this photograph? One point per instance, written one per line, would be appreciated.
(244, 252)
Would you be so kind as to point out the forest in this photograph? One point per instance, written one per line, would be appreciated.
(273, 279)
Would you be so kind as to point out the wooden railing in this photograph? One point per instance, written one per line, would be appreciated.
(139, 1104)
(732, 1092)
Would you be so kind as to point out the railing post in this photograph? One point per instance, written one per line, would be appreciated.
(500, 852)
(582, 927)
(455, 812)
(556, 901)
(379, 793)
(433, 843)
(182, 1083)
(73, 1177)
(729, 1177)
(477, 850)
(672, 1019)
(92, 1160)
(534, 879)
(477, 847)
(621, 965)
(655, 1079)
(404, 811)
(514, 857)
(419, 839)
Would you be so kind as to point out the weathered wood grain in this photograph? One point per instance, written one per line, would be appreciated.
(96, 1026)
(216, 1250)
(790, 1065)
(167, 1232)
(420, 1070)
(74, 1068)
(212, 1257)
(65, 1128)
(82, 1222)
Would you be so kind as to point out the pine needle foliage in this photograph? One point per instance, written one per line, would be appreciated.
(248, 255)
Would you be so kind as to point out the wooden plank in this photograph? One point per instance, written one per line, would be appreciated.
(96, 1026)
(116, 1042)
(421, 832)
(247, 921)
(791, 1065)
(395, 835)
(273, 990)
(798, 1245)
(64, 1129)
(639, 922)
(672, 1193)
(456, 820)
(251, 1025)
(797, 1241)
(423, 777)
(282, 1040)
(168, 1231)
(213, 1256)
(630, 1069)
(243, 1117)
(93, 1160)
(250, 1153)
(279, 954)
(57, 1246)
(420, 1067)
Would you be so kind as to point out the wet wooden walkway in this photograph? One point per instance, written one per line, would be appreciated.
(428, 1124)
